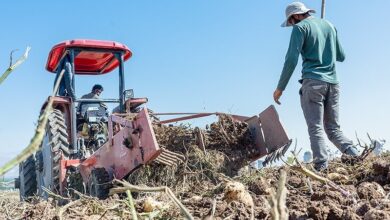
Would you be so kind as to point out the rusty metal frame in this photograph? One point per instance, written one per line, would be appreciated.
(133, 145)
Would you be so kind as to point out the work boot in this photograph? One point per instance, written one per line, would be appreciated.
(351, 151)
(321, 166)
(350, 156)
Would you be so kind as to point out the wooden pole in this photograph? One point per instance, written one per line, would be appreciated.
(323, 9)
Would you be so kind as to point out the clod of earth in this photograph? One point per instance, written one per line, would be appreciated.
(235, 191)
(370, 191)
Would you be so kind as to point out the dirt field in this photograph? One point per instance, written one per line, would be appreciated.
(368, 182)
(211, 185)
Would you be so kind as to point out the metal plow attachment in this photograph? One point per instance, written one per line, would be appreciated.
(131, 147)
(170, 158)
(271, 139)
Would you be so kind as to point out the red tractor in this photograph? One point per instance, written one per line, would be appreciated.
(85, 146)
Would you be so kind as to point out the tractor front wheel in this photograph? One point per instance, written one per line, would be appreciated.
(27, 182)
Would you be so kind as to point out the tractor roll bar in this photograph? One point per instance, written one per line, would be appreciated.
(120, 57)
(73, 52)
(69, 57)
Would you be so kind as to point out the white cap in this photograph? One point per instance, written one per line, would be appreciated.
(295, 8)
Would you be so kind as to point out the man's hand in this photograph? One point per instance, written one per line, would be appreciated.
(277, 94)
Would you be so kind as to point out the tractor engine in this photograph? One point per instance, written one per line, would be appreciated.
(92, 128)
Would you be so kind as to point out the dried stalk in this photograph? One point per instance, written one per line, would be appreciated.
(200, 139)
(309, 185)
(13, 66)
(278, 200)
(223, 132)
(368, 149)
(107, 209)
(39, 133)
(128, 186)
(65, 207)
(300, 168)
(50, 193)
(282, 196)
(130, 203)
(214, 208)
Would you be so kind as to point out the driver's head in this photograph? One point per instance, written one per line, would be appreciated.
(97, 89)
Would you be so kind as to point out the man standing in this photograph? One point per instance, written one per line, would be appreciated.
(317, 42)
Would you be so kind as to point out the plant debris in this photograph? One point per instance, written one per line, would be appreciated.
(214, 181)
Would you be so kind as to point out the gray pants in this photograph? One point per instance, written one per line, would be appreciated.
(320, 105)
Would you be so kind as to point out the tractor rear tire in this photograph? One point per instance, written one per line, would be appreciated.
(99, 184)
(27, 179)
(55, 145)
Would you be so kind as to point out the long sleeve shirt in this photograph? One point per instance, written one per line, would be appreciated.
(317, 42)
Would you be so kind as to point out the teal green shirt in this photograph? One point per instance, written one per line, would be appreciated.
(316, 40)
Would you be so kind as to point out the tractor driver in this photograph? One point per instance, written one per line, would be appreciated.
(97, 89)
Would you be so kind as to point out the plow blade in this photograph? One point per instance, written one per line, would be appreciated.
(271, 139)
(132, 146)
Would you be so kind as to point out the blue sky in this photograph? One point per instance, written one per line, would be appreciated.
(195, 56)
